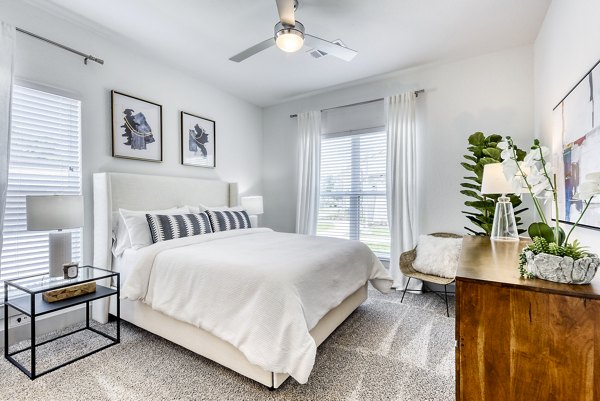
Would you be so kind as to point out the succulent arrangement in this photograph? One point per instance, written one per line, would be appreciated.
(540, 245)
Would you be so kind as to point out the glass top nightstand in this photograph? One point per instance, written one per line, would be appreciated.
(43, 282)
(25, 294)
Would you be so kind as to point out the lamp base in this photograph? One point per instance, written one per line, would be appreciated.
(505, 226)
(60, 252)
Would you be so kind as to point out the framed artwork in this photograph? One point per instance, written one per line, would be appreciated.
(577, 130)
(198, 136)
(136, 128)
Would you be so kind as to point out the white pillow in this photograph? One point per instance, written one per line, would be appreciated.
(437, 256)
(120, 235)
(137, 225)
(193, 209)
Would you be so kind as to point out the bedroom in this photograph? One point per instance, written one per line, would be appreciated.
(493, 66)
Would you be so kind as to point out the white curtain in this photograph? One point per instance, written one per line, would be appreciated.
(7, 49)
(401, 180)
(309, 131)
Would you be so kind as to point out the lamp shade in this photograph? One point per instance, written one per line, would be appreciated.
(54, 212)
(494, 181)
(253, 204)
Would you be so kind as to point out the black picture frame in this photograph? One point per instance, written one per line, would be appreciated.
(579, 145)
(198, 141)
(134, 124)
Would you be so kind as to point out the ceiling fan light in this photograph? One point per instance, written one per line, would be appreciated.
(289, 40)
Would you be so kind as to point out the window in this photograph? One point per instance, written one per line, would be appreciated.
(44, 160)
(353, 202)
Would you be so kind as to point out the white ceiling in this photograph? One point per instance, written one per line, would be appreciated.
(199, 36)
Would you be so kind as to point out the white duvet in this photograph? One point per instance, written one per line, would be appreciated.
(260, 290)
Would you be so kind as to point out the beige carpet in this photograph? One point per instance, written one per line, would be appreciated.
(384, 351)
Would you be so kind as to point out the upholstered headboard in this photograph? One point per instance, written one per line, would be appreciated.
(146, 192)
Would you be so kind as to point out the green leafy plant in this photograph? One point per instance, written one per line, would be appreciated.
(484, 150)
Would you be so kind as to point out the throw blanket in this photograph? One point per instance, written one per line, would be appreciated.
(260, 290)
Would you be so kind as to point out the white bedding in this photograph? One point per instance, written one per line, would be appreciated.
(260, 290)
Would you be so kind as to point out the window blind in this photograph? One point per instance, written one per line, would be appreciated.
(353, 202)
(45, 159)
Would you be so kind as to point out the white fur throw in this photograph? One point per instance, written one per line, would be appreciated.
(437, 256)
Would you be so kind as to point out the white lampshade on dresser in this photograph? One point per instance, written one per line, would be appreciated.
(504, 227)
(253, 206)
(56, 212)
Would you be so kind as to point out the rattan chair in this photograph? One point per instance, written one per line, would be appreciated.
(406, 267)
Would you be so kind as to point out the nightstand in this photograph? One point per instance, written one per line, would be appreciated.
(25, 295)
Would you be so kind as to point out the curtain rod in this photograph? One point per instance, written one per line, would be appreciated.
(86, 57)
(358, 104)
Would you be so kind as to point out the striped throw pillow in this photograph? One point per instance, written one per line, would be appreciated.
(223, 220)
(167, 227)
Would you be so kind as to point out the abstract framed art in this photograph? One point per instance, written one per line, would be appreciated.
(577, 132)
(198, 135)
(136, 128)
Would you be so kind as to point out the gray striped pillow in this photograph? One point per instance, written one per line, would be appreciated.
(167, 227)
(224, 220)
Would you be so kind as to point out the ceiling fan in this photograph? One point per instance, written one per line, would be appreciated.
(290, 37)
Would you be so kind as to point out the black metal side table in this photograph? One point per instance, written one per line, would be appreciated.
(25, 295)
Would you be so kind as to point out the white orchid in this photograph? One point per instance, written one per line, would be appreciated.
(587, 190)
(503, 144)
(535, 176)
(529, 160)
(507, 152)
(517, 184)
(510, 169)
(533, 173)
(542, 190)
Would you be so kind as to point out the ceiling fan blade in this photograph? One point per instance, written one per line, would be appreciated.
(285, 8)
(329, 47)
(251, 51)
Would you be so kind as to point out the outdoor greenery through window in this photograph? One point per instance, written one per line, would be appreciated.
(353, 202)
(45, 159)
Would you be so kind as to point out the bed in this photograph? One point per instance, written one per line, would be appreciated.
(151, 275)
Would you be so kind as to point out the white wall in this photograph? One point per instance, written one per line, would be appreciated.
(566, 48)
(491, 93)
(238, 123)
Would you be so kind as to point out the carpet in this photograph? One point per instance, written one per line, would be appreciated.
(384, 351)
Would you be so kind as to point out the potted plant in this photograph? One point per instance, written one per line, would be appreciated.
(551, 256)
(484, 150)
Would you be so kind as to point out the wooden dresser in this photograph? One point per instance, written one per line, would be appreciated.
(522, 340)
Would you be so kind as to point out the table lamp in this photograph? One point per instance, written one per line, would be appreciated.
(494, 182)
(254, 207)
(55, 212)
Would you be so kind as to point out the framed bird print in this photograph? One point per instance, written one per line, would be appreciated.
(136, 128)
(197, 141)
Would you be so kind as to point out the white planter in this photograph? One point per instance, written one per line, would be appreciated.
(562, 269)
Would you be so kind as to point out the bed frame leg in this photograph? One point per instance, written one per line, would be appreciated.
(272, 388)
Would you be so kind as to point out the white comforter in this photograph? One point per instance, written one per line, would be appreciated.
(260, 290)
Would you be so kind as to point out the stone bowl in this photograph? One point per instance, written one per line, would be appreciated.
(562, 269)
